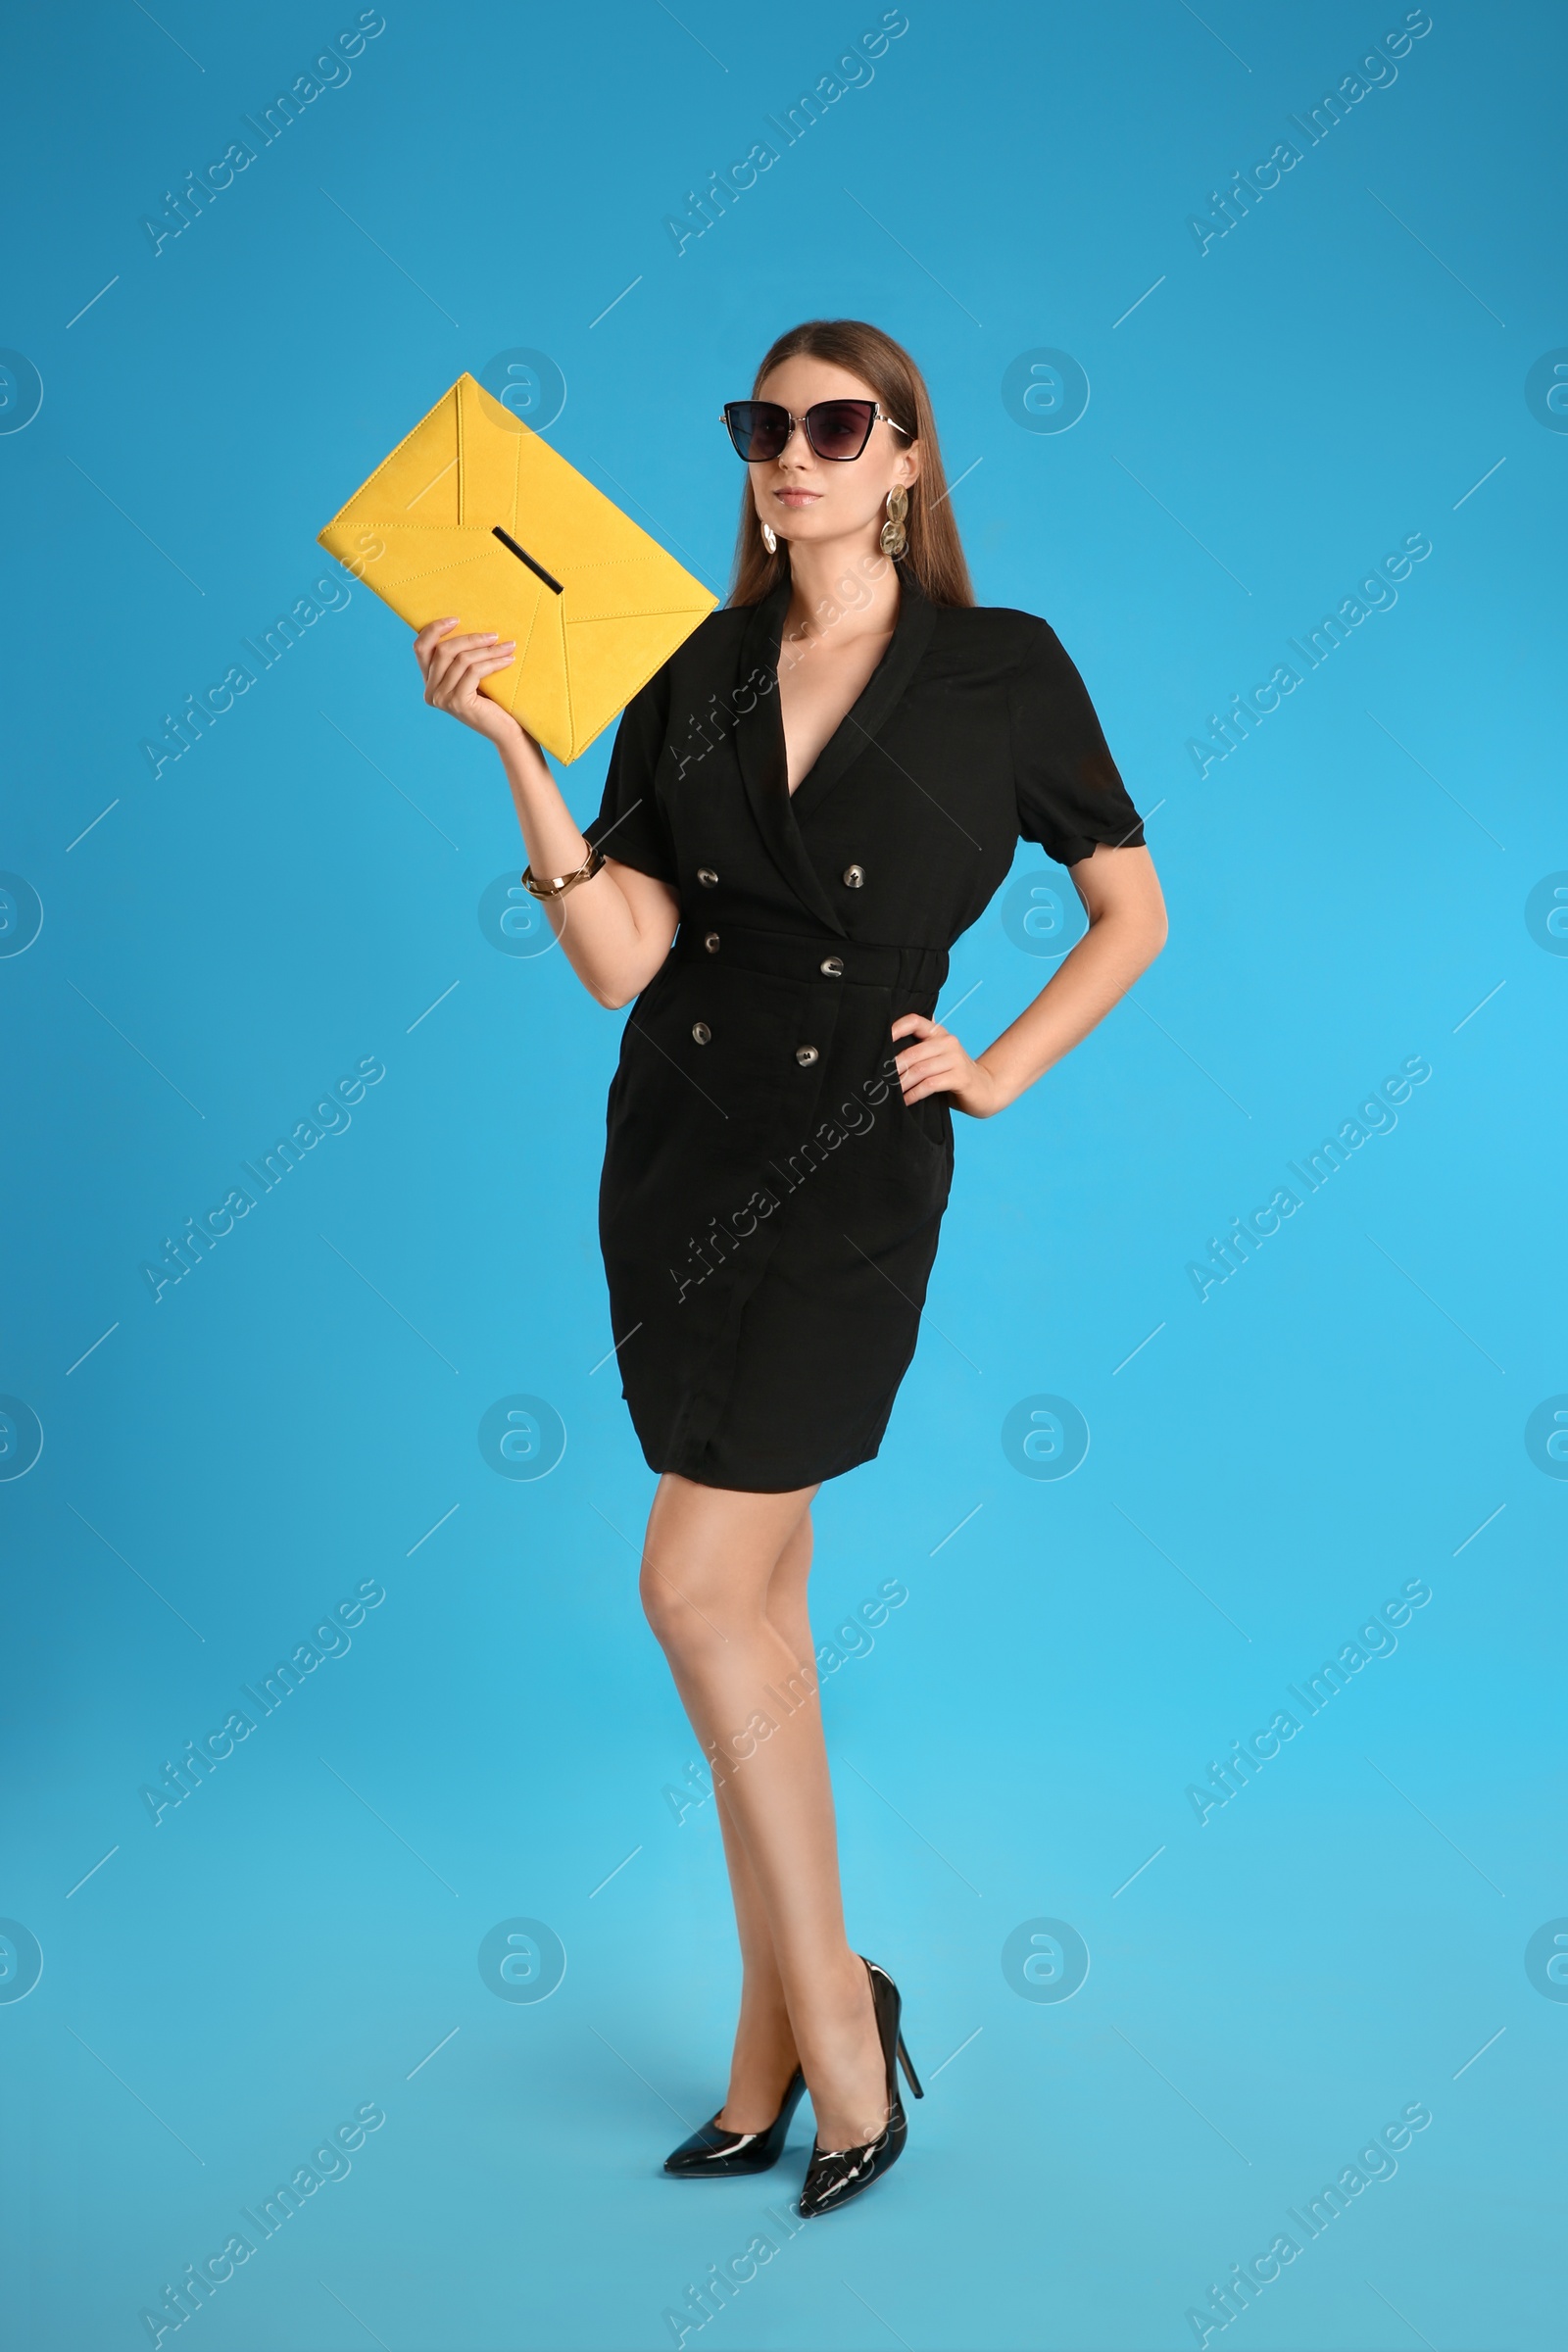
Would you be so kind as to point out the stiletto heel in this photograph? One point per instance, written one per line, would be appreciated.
(836, 2175)
(715, 2154)
(909, 2074)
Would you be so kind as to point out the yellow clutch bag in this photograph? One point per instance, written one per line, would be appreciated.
(474, 515)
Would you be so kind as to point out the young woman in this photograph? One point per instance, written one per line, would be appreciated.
(808, 804)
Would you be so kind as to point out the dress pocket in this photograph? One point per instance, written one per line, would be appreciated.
(930, 1123)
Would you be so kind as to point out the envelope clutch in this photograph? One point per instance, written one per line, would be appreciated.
(474, 515)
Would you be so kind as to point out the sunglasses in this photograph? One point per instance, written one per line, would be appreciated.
(837, 429)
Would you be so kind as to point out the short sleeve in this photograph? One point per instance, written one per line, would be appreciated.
(630, 824)
(1070, 792)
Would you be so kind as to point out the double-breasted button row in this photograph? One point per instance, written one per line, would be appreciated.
(804, 1054)
(853, 877)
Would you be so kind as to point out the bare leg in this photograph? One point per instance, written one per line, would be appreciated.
(710, 1560)
(764, 2055)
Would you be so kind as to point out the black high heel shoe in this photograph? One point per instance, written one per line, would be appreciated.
(836, 2175)
(713, 2154)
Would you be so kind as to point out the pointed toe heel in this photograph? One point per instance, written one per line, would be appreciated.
(712, 2153)
(835, 2175)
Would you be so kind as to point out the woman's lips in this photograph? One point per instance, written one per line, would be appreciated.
(796, 498)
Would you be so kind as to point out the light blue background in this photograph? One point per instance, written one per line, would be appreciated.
(1341, 1416)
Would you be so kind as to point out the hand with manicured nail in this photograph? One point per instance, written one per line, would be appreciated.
(453, 667)
(933, 1062)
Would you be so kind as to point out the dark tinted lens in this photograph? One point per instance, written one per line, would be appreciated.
(759, 429)
(840, 428)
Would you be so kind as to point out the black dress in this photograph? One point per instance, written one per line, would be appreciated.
(769, 1207)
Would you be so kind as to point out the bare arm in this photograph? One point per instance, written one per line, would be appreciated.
(616, 930)
(1121, 895)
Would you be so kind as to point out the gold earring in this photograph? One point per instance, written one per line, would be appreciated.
(894, 538)
(769, 538)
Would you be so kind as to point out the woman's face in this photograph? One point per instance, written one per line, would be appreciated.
(808, 497)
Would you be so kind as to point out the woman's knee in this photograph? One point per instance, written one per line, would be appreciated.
(683, 1617)
(710, 1558)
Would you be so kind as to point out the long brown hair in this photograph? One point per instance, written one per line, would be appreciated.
(935, 552)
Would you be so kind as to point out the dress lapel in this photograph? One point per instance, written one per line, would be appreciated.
(884, 690)
(759, 734)
(759, 748)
